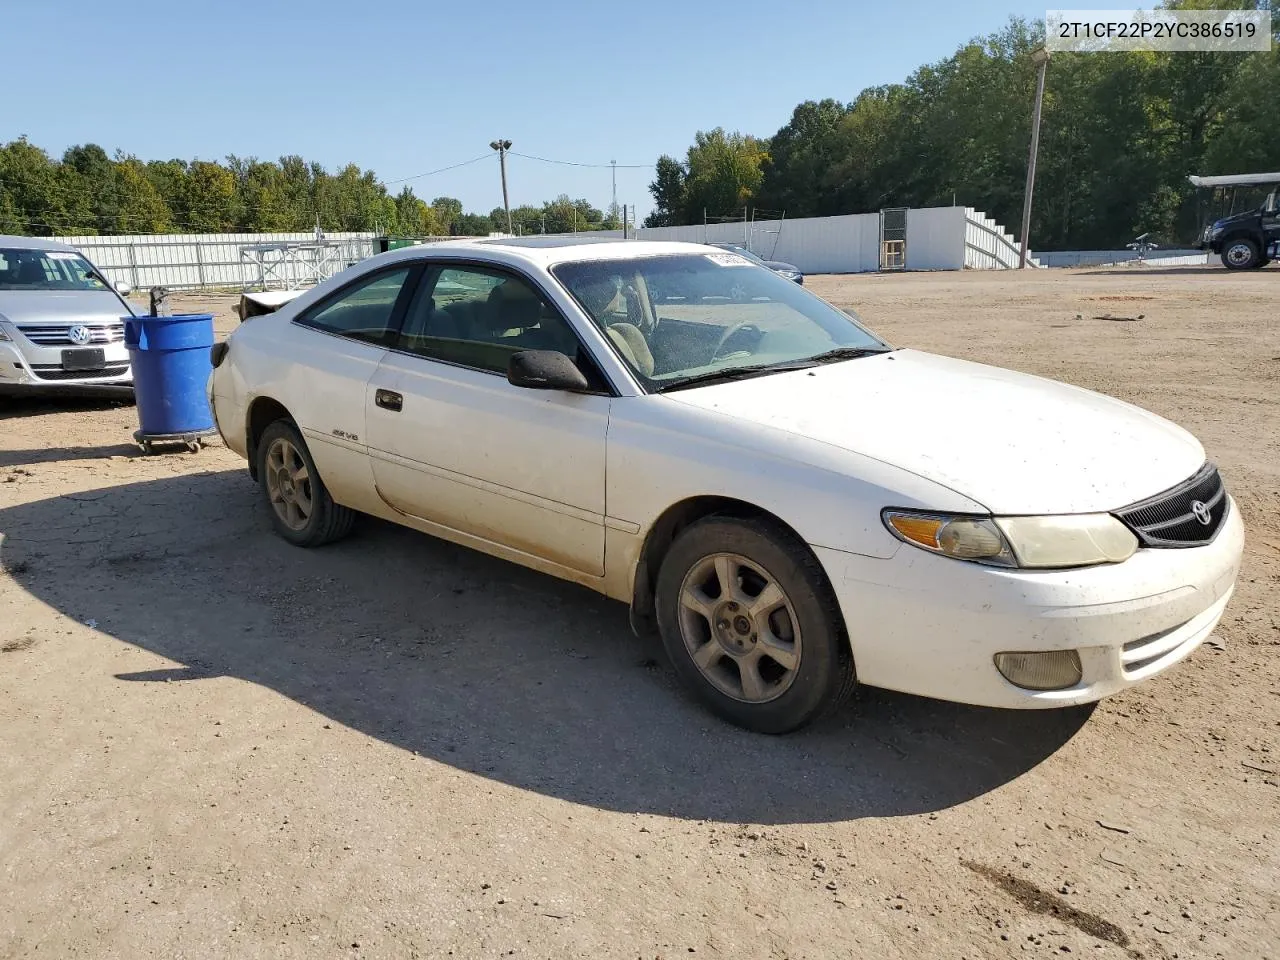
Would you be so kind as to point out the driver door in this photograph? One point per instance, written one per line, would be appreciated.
(452, 442)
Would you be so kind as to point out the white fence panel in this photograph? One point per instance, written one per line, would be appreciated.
(938, 238)
(193, 261)
(1098, 258)
(845, 244)
(988, 247)
(935, 238)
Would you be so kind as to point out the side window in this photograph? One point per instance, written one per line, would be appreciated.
(364, 311)
(477, 317)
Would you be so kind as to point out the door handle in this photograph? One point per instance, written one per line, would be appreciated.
(388, 400)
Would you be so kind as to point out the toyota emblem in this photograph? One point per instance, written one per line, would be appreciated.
(1200, 511)
(79, 334)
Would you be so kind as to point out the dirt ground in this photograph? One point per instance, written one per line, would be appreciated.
(215, 745)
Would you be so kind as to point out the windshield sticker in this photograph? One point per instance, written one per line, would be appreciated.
(61, 255)
(728, 259)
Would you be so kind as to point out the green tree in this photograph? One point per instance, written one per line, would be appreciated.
(448, 213)
(140, 207)
(724, 173)
(668, 193)
(40, 196)
(800, 156)
(169, 178)
(563, 215)
(414, 218)
(208, 201)
(473, 225)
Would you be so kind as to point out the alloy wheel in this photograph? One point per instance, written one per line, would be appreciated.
(740, 628)
(289, 484)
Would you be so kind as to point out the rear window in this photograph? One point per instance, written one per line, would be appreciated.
(47, 270)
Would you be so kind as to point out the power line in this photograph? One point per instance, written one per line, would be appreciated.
(571, 163)
(432, 173)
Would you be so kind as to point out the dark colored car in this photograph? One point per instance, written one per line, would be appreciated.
(790, 271)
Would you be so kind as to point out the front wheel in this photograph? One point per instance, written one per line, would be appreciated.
(301, 509)
(1241, 254)
(749, 622)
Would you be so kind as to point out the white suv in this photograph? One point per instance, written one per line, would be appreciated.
(61, 321)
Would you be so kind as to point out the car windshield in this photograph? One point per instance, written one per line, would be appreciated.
(47, 270)
(694, 318)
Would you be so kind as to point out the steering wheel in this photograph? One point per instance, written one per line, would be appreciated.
(729, 335)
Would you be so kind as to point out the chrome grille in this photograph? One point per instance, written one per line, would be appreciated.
(59, 335)
(1173, 519)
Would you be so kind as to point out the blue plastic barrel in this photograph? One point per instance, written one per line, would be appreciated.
(170, 360)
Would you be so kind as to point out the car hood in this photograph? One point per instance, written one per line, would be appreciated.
(1016, 443)
(1245, 216)
(781, 265)
(60, 306)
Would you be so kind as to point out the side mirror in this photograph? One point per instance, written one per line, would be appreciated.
(545, 370)
(122, 288)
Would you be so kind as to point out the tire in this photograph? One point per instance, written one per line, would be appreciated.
(1241, 254)
(302, 511)
(723, 649)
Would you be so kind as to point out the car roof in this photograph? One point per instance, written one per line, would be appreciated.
(33, 243)
(545, 251)
(549, 242)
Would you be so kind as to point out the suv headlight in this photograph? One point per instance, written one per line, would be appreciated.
(1070, 540)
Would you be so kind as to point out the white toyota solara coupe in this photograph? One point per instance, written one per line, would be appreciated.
(790, 501)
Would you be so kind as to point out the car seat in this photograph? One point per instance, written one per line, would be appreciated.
(603, 299)
(30, 271)
(511, 306)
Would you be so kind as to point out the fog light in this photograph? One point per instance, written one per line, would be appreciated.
(1052, 670)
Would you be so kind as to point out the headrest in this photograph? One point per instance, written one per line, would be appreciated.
(511, 305)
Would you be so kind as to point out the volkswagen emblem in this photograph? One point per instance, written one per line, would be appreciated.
(79, 334)
(1200, 511)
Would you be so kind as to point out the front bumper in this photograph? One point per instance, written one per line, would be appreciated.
(38, 368)
(932, 626)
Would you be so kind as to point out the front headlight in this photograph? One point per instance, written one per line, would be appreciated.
(1072, 540)
(4, 336)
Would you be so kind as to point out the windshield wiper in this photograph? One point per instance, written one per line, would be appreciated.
(782, 366)
(842, 353)
(817, 360)
(718, 376)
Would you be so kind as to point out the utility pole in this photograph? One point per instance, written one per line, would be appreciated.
(624, 221)
(502, 146)
(613, 207)
(1041, 59)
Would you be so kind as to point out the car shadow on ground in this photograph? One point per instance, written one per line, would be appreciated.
(23, 458)
(18, 403)
(480, 664)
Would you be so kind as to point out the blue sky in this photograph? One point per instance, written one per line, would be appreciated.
(405, 87)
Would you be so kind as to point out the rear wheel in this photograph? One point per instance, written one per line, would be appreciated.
(750, 624)
(301, 509)
(1241, 254)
